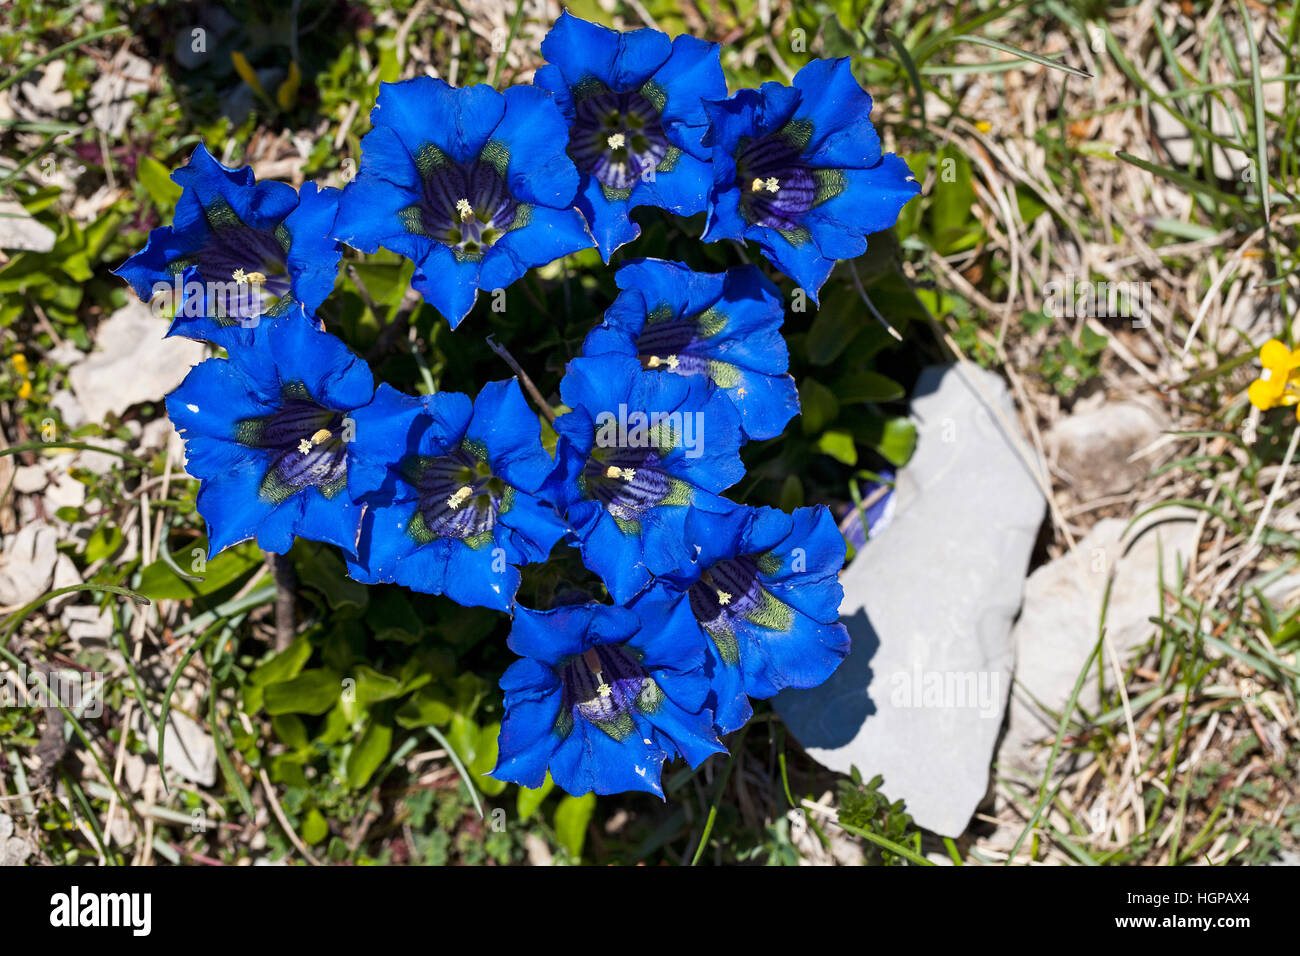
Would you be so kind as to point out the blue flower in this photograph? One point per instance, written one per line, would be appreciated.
(798, 169)
(237, 250)
(633, 104)
(599, 702)
(722, 327)
(762, 590)
(638, 452)
(452, 509)
(268, 432)
(471, 184)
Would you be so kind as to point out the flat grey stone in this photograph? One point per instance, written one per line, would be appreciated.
(134, 363)
(190, 750)
(929, 605)
(27, 564)
(1093, 448)
(1060, 623)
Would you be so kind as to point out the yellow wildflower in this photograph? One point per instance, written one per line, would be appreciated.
(1279, 380)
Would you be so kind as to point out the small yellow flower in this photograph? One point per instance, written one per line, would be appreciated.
(1279, 380)
(21, 369)
(984, 126)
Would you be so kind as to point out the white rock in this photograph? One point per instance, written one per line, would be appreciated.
(101, 463)
(189, 752)
(1059, 624)
(29, 479)
(27, 564)
(86, 624)
(64, 491)
(19, 231)
(1092, 448)
(929, 606)
(134, 363)
(65, 575)
(110, 95)
(14, 851)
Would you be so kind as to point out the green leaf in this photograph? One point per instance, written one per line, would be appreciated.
(865, 386)
(791, 493)
(373, 686)
(157, 182)
(898, 441)
(1023, 54)
(818, 406)
(291, 730)
(839, 318)
(392, 618)
(427, 706)
(571, 819)
(951, 229)
(529, 800)
(283, 666)
(159, 581)
(839, 445)
(322, 569)
(311, 692)
(314, 827)
(103, 541)
(369, 753)
(485, 758)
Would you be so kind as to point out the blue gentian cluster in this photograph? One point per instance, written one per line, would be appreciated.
(711, 603)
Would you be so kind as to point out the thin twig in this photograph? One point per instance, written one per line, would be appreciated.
(543, 405)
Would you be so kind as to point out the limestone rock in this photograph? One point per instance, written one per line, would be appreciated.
(1060, 622)
(929, 605)
(1093, 448)
(134, 363)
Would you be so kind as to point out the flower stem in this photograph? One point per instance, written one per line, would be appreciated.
(286, 582)
(524, 380)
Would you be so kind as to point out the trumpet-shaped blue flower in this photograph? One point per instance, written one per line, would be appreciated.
(471, 184)
(799, 170)
(638, 453)
(633, 102)
(453, 509)
(237, 250)
(762, 593)
(599, 702)
(723, 327)
(269, 432)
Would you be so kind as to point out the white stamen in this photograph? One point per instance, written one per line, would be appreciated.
(462, 495)
(655, 361)
(616, 141)
(629, 474)
(304, 446)
(464, 208)
(724, 598)
(772, 184)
